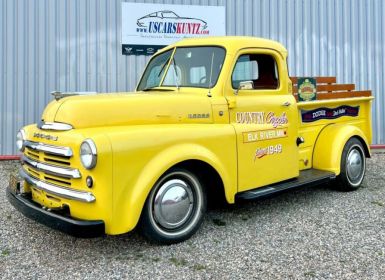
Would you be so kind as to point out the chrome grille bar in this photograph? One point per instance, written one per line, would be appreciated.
(58, 190)
(55, 150)
(53, 170)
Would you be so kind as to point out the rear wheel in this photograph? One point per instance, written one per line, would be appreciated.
(174, 208)
(353, 165)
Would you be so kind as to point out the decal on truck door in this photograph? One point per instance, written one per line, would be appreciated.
(262, 118)
(254, 136)
(329, 113)
(269, 150)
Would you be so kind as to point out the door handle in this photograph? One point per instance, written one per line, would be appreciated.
(232, 102)
(286, 104)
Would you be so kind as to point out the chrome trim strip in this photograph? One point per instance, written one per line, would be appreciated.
(56, 150)
(57, 190)
(55, 126)
(51, 169)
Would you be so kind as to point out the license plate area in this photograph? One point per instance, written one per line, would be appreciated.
(45, 199)
(14, 184)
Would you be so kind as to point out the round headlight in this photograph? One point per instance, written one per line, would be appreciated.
(20, 138)
(88, 154)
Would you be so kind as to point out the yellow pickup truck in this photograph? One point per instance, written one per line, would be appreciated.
(212, 119)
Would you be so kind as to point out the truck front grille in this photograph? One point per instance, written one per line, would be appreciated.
(49, 163)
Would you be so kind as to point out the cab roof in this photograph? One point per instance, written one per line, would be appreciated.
(231, 43)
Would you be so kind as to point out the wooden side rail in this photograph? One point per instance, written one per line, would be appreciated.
(328, 89)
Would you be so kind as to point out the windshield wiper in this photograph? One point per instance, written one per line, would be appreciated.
(156, 88)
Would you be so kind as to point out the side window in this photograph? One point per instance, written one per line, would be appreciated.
(261, 69)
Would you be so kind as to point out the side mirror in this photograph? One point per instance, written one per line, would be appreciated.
(245, 85)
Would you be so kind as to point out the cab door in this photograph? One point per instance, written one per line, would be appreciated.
(265, 118)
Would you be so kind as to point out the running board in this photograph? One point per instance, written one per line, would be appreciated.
(307, 177)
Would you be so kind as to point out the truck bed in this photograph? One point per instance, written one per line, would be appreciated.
(335, 103)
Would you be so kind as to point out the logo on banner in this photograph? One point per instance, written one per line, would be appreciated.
(168, 22)
(329, 113)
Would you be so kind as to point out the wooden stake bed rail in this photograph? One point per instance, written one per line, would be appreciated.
(328, 89)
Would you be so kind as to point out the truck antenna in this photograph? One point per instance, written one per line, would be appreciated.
(211, 74)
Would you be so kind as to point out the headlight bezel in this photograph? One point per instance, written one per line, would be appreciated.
(20, 137)
(88, 163)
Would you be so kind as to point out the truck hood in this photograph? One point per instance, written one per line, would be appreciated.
(129, 109)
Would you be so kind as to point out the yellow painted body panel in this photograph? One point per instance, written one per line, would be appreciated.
(143, 153)
(139, 136)
(333, 139)
(255, 136)
(325, 139)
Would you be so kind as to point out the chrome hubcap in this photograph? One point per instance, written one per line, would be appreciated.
(173, 204)
(354, 165)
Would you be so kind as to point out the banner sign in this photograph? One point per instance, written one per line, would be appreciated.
(147, 28)
(307, 89)
(329, 113)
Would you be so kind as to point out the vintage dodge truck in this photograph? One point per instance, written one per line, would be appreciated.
(212, 119)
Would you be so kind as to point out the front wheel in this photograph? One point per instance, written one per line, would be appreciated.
(353, 165)
(174, 208)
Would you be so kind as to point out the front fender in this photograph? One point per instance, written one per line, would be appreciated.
(330, 143)
(139, 162)
(163, 161)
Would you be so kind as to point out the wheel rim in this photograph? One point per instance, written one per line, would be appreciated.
(355, 166)
(173, 204)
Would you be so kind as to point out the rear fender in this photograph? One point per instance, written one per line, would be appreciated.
(330, 143)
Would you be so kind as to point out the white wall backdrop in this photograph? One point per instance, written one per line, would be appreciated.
(74, 45)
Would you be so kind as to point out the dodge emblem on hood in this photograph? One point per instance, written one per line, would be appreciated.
(45, 136)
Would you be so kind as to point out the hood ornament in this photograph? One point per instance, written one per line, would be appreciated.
(60, 94)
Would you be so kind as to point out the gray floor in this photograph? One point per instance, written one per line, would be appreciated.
(313, 233)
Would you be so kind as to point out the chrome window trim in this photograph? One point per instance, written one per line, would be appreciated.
(53, 170)
(58, 190)
(56, 150)
(55, 126)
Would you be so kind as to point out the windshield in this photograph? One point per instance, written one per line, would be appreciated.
(187, 67)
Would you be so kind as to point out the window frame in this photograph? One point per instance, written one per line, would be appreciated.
(258, 51)
(173, 49)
